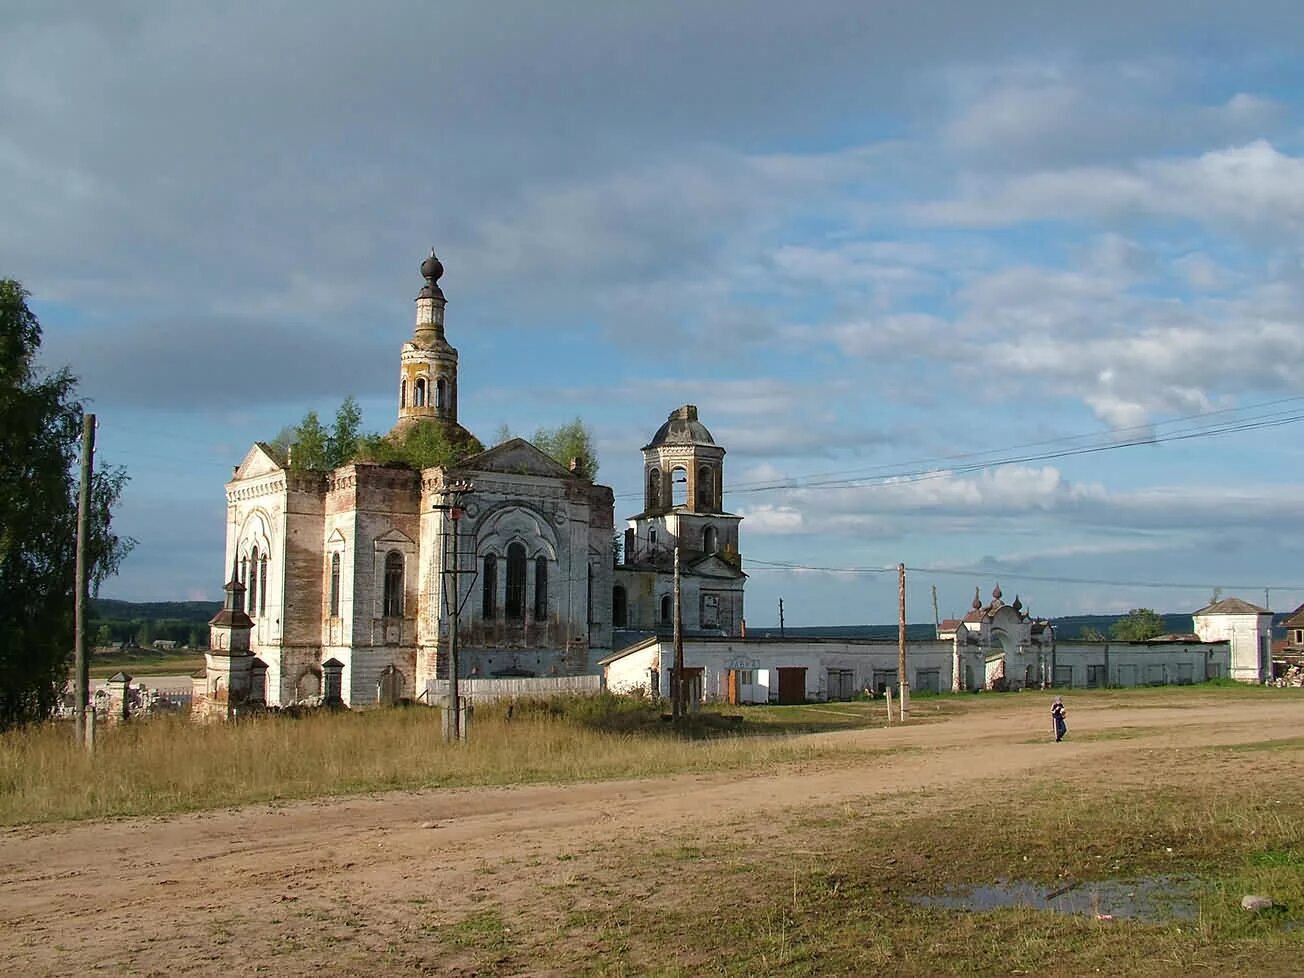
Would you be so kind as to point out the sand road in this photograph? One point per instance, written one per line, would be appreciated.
(338, 886)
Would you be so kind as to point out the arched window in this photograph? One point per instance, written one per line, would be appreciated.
(515, 582)
(402, 393)
(709, 541)
(541, 588)
(665, 609)
(653, 489)
(419, 393)
(335, 586)
(678, 487)
(252, 594)
(441, 394)
(652, 538)
(705, 487)
(262, 585)
(489, 596)
(393, 584)
(244, 579)
(619, 607)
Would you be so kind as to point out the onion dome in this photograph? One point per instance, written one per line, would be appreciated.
(996, 591)
(431, 269)
(977, 601)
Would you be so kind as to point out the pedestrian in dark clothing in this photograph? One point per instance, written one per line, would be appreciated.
(1057, 715)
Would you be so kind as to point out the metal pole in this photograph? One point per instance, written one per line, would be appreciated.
(81, 693)
(901, 639)
(677, 680)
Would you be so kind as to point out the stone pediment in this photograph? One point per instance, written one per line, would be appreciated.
(261, 460)
(516, 457)
(394, 537)
(712, 565)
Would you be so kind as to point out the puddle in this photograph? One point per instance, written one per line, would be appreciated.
(1156, 899)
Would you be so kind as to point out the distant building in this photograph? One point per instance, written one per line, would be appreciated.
(1248, 629)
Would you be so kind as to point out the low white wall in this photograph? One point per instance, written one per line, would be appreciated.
(535, 687)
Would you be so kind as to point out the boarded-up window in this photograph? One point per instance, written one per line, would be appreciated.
(841, 684)
(1185, 673)
(1096, 676)
(1063, 675)
(710, 610)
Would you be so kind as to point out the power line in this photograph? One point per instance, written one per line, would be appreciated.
(1143, 435)
(778, 565)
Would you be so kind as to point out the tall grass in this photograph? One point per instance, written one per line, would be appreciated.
(171, 765)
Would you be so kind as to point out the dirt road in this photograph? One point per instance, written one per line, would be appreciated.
(350, 886)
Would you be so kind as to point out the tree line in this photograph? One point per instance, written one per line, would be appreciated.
(40, 436)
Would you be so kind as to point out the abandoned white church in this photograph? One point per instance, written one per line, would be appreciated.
(343, 588)
(344, 584)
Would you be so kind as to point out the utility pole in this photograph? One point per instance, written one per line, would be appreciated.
(677, 680)
(901, 640)
(81, 665)
(937, 618)
(781, 618)
(451, 507)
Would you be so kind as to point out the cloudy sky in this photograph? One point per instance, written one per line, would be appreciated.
(881, 246)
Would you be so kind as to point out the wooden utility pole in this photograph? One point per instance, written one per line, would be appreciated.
(677, 678)
(451, 507)
(781, 618)
(81, 665)
(937, 618)
(901, 640)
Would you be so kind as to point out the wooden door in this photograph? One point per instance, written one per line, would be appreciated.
(792, 685)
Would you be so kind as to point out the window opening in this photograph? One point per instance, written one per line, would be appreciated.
(262, 585)
(252, 593)
(709, 542)
(665, 608)
(335, 586)
(402, 393)
(441, 394)
(705, 487)
(678, 487)
(654, 489)
(515, 582)
(419, 394)
(489, 598)
(394, 584)
(540, 588)
(619, 607)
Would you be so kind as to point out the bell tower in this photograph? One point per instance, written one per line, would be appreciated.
(427, 386)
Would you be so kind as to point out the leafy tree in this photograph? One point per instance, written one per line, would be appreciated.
(567, 442)
(342, 442)
(422, 446)
(1090, 634)
(1137, 625)
(310, 444)
(39, 448)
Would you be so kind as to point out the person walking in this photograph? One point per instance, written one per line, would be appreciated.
(1057, 715)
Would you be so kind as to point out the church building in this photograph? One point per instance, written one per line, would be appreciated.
(350, 578)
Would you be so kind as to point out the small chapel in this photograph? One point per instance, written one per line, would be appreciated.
(344, 584)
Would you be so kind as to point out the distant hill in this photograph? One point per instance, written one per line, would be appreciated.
(198, 612)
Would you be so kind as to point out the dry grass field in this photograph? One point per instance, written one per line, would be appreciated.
(770, 853)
